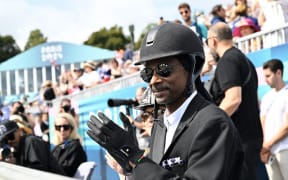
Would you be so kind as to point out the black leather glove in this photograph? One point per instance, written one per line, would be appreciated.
(119, 143)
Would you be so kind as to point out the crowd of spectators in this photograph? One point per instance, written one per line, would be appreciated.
(244, 17)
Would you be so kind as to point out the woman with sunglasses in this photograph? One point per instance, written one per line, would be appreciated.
(68, 150)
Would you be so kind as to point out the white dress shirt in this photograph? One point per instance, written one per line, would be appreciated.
(171, 122)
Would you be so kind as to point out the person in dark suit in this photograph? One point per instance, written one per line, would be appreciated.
(195, 139)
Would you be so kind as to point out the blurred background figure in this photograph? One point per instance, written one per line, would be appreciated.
(26, 150)
(185, 12)
(219, 14)
(18, 114)
(274, 12)
(129, 68)
(244, 27)
(150, 111)
(77, 73)
(68, 149)
(67, 107)
(239, 11)
(48, 91)
(116, 69)
(91, 77)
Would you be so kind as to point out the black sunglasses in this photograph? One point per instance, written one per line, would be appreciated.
(146, 115)
(65, 127)
(163, 70)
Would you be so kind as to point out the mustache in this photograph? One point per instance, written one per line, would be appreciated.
(156, 88)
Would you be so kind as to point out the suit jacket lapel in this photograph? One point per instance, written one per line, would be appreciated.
(195, 105)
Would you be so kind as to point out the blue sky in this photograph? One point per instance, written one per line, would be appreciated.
(74, 20)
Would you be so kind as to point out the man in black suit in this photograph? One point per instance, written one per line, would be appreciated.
(195, 139)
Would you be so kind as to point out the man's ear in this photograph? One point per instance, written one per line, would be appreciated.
(278, 72)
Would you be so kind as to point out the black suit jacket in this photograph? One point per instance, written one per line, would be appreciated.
(206, 146)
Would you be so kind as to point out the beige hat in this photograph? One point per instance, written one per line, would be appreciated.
(21, 123)
(90, 64)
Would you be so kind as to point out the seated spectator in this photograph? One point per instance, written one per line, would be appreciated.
(73, 86)
(77, 73)
(64, 79)
(219, 14)
(245, 26)
(41, 128)
(48, 91)
(130, 68)
(104, 71)
(91, 77)
(116, 69)
(28, 150)
(68, 150)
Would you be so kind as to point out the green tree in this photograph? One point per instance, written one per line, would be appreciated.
(8, 48)
(139, 41)
(36, 37)
(112, 39)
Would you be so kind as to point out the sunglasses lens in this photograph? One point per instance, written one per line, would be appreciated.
(146, 74)
(146, 115)
(163, 70)
(65, 127)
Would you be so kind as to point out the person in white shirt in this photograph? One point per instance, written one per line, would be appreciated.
(91, 77)
(274, 119)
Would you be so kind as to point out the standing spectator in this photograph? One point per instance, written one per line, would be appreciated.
(185, 12)
(219, 14)
(194, 136)
(128, 53)
(68, 150)
(234, 89)
(29, 151)
(274, 118)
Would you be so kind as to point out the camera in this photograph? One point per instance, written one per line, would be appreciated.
(119, 102)
(5, 152)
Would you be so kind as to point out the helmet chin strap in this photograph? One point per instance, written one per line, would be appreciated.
(155, 113)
